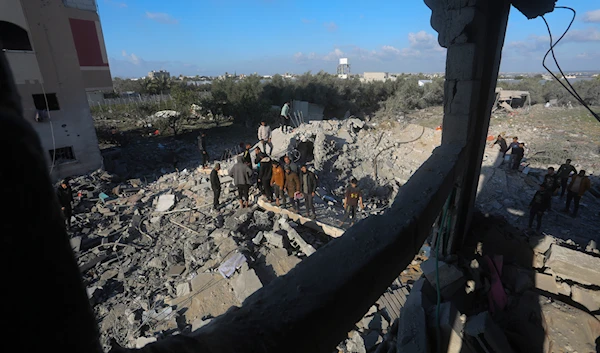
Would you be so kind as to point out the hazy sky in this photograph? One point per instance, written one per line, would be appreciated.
(209, 37)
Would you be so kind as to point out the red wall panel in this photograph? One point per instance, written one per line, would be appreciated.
(87, 43)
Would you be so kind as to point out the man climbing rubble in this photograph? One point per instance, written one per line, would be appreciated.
(278, 183)
(352, 200)
(539, 204)
(285, 118)
(580, 183)
(564, 172)
(241, 175)
(215, 184)
(502, 142)
(65, 198)
(292, 187)
(514, 148)
(264, 136)
(308, 186)
(247, 156)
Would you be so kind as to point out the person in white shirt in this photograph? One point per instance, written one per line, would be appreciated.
(264, 136)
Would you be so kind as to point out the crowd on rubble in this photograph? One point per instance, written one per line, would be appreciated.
(567, 180)
(280, 181)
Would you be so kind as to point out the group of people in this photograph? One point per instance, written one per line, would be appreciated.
(578, 185)
(516, 148)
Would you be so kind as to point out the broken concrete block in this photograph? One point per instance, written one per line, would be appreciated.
(165, 203)
(203, 280)
(200, 323)
(274, 239)
(451, 326)
(294, 237)
(546, 283)
(142, 341)
(564, 289)
(586, 297)
(183, 289)
(220, 233)
(176, 270)
(375, 322)
(355, 343)
(75, 243)
(156, 262)
(245, 283)
(574, 265)
(258, 238)
(450, 276)
(591, 247)
(483, 327)
(541, 244)
(539, 260)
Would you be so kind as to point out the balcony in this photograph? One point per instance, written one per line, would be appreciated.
(88, 5)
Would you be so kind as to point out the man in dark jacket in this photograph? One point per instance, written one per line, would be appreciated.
(241, 175)
(551, 184)
(579, 185)
(517, 155)
(502, 142)
(292, 186)
(265, 172)
(539, 204)
(65, 197)
(308, 187)
(247, 157)
(202, 148)
(215, 184)
(563, 174)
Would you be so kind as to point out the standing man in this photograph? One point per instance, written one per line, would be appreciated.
(278, 182)
(265, 173)
(285, 118)
(539, 204)
(551, 184)
(502, 142)
(351, 201)
(580, 183)
(65, 197)
(241, 175)
(215, 184)
(288, 162)
(308, 186)
(563, 173)
(264, 136)
(292, 187)
(202, 148)
(513, 147)
(517, 154)
(247, 156)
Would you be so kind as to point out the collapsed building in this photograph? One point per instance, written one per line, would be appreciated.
(476, 293)
(511, 100)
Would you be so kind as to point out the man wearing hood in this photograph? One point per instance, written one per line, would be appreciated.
(65, 197)
(241, 174)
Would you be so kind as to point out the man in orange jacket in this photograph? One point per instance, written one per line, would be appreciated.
(579, 185)
(278, 182)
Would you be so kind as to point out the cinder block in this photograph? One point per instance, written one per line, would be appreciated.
(574, 265)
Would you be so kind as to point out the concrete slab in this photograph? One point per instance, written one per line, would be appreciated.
(586, 297)
(280, 261)
(75, 243)
(165, 203)
(176, 270)
(198, 323)
(448, 273)
(483, 325)
(183, 289)
(274, 239)
(245, 283)
(541, 244)
(140, 342)
(546, 283)
(574, 265)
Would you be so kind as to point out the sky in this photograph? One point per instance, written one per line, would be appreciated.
(211, 37)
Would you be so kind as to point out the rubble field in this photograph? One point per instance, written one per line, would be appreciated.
(158, 261)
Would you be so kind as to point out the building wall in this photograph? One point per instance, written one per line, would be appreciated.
(375, 76)
(54, 68)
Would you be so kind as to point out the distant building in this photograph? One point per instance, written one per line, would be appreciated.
(55, 50)
(377, 76)
(159, 74)
(424, 82)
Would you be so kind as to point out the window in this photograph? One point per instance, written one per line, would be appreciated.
(62, 155)
(14, 37)
(40, 101)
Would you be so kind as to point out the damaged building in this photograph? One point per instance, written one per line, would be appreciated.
(56, 53)
(165, 274)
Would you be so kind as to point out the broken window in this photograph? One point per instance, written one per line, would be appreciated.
(62, 155)
(14, 37)
(40, 101)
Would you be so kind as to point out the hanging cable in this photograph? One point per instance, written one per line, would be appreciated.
(572, 90)
(51, 128)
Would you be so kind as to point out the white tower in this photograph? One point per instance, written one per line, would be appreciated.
(343, 69)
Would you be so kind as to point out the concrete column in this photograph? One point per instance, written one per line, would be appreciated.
(473, 31)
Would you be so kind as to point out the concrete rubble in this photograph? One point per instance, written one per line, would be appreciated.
(152, 253)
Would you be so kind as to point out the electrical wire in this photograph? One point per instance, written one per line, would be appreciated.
(572, 90)
(51, 128)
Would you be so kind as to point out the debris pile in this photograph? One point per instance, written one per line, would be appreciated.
(156, 261)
